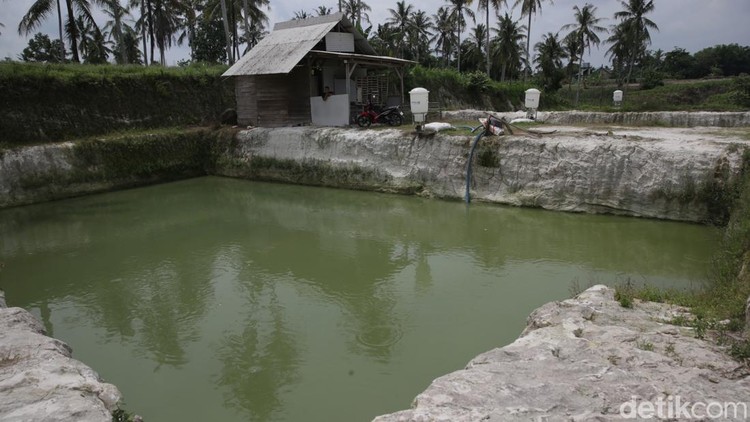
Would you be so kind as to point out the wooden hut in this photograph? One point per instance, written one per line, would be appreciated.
(283, 80)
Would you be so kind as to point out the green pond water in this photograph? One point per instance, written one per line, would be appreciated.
(215, 299)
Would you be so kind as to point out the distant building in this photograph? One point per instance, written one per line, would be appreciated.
(283, 80)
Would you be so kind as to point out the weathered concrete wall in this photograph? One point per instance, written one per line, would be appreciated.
(655, 118)
(582, 359)
(675, 174)
(54, 171)
(39, 381)
(669, 174)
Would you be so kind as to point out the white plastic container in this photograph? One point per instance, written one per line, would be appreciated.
(532, 98)
(419, 99)
(617, 97)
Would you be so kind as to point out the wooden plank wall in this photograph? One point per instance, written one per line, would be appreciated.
(274, 100)
(247, 107)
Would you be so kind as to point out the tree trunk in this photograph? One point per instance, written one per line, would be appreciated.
(73, 32)
(359, 13)
(488, 38)
(528, 47)
(632, 58)
(226, 31)
(459, 46)
(60, 24)
(246, 10)
(151, 28)
(580, 73)
(143, 32)
(502, 74)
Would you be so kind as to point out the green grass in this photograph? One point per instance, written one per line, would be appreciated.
(461, 90)
(711, 95)
(77, 71)
(724, 296)
(56, 102)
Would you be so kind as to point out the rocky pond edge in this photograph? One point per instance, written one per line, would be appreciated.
(589, 358)
(39, 379)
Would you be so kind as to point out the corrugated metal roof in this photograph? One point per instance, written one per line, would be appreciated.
(289, 42)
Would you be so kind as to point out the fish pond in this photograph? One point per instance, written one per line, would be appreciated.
(216, 299)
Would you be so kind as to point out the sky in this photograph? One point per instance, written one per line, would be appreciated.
(689, 24)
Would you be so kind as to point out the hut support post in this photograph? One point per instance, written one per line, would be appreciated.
(400, 73)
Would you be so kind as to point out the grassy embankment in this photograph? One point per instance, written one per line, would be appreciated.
(52, 103)
(456, 91)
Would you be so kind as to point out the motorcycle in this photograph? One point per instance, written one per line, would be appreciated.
(392, 116)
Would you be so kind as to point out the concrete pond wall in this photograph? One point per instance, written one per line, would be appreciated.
(675, 174)
(653, 118)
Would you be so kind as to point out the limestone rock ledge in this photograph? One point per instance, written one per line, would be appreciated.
(580, 360)
(39, 381)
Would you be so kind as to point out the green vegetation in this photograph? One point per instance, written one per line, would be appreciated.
(55, 102)
(459, 90)
(456, 90)
(699, 95)
(720, 305)
(131, 159)
(645, 345)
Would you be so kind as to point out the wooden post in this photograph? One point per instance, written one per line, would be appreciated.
(400, 73)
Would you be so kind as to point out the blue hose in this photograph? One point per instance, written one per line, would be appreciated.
(467, 194)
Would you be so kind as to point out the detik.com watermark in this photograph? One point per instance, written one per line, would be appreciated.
(674, 407)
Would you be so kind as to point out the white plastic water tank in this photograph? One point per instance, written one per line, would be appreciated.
(617, 96)
(532, 98)
(419, 99)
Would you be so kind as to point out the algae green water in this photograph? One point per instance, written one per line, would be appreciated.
(215, 299)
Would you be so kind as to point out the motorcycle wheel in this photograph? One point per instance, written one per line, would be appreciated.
(396, 120)
(363, 121)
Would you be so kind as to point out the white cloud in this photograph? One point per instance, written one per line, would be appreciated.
(690, 24)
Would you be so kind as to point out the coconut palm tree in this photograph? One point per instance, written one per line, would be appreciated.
(637, 24)
(255, 20)
(419, 37)
(322, 10)
(551, 52)
(619, 49)
(168, 18)
(92, 44)
(458, 9)
(401, 22)
(485, 4)
(40, 9)
(115, 27)
(383, 40)
(529, 8)
(572, 49)
(130, 40)
(444, 36)
(508, 47)
(474, 47)
(298, 15)
(141, 24)
(356, 10)
(585, 29)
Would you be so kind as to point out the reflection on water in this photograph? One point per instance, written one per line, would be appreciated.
(219, 299)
